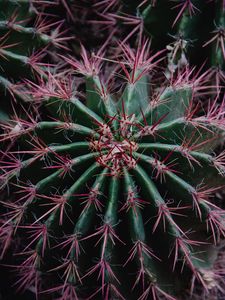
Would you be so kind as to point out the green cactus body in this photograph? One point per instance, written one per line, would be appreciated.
(108, 189)
(26, 36)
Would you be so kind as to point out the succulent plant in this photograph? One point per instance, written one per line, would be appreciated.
(112, 184)
(110, 162)
(29, 35)
(175, 24)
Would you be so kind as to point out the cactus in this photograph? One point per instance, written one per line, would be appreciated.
(175, 23)
(128, 157)
(27, 37)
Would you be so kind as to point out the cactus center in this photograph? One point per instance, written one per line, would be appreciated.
(116, 144)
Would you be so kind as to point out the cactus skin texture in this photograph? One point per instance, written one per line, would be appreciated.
(27, 37)
(175, 24)
(108, 182)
